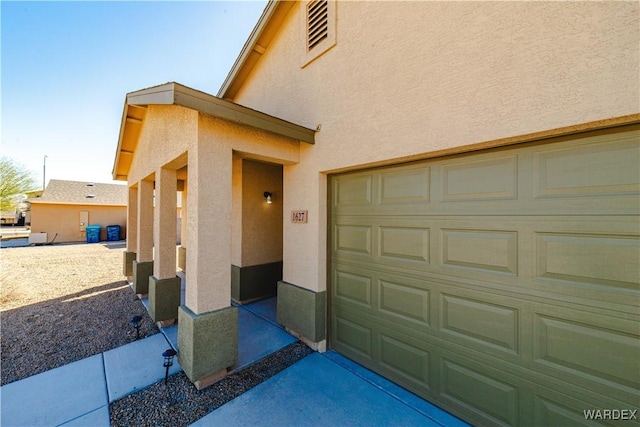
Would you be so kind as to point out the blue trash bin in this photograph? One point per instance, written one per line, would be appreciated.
(113, 233)
(93, 233)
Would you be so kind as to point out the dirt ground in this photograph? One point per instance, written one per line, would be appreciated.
(61, 303)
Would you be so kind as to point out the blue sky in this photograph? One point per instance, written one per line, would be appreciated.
(67, 66)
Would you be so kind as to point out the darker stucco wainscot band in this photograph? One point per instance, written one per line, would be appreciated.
(302, 311)
(164, 298)
(255, 281)
(127, 263)
(207, 342)
(141, 273)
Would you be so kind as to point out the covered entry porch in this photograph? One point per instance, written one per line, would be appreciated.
(227, 161)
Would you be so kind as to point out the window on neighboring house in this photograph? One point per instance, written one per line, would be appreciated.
(320, 28)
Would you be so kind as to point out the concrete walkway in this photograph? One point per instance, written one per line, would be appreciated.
(325, 389)
(320, 391)
(79, 393)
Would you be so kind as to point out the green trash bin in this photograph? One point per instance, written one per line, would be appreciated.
(93, 233)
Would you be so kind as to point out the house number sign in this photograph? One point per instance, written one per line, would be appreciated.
(299, 217)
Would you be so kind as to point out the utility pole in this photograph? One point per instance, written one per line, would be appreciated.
(44, 171)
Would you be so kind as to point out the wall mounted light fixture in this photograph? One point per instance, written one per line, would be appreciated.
(267, 195)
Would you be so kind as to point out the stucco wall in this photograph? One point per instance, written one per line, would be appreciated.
(261, 222)
(410, 77)
(406, 79)
(65, 220)
(167, 133)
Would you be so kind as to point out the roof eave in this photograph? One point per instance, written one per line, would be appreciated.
(255, 46)
(227, 110)
(53, 202)
(116, 161)
(177, 94)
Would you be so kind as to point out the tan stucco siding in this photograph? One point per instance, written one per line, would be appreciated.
(415, 78)
(261, 221)
(425, 76)
(248, 142)
(64, 220)
(168, 132)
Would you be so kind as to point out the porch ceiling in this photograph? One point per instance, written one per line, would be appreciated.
(176, 94)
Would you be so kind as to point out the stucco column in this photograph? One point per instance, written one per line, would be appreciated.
(209, 229)
(164, 229)
(302, 294)
(182, 251)
(132, 220)
(132, 232)
(145, 221)
(164, 285)
(207, 324)
(143, 266)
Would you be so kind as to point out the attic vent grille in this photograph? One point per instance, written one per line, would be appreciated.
(317, 22)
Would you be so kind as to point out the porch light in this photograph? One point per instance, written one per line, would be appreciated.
(135, 322)
(168, 362)
(267, 195)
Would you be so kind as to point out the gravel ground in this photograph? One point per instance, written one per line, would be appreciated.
(179, 403)
(62, 303)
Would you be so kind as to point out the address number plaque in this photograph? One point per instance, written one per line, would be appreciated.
(299, 217)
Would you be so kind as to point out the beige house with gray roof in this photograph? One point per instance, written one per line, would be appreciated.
(67, 207)
(454, 193)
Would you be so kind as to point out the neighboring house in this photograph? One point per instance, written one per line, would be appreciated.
(455, 199)
(25, 207)
(67, 207)
(9, 218)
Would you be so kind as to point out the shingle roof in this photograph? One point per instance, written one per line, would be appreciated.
(83, 193)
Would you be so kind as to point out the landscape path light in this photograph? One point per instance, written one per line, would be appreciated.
(168, 362)
(135, 321)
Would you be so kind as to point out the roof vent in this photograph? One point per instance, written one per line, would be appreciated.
(317, 22)
(91, 196)
(90, 184)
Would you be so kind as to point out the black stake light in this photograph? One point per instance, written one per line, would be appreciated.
(135, 321)
(168, 362)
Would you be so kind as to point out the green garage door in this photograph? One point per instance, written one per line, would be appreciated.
(502, 285)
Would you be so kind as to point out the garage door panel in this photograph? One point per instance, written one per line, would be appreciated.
(485, 391)
(354, 239)
(405, 302)
(352, 337)
(586, 350)
(409, 185)
(551, 413)
(355, 288)
(491, 251)
(482, 178)
(606, 260)
(406, 360)
(404, 244)
(480, 322)
(355, 190)
(566, 406)
(596, 167)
